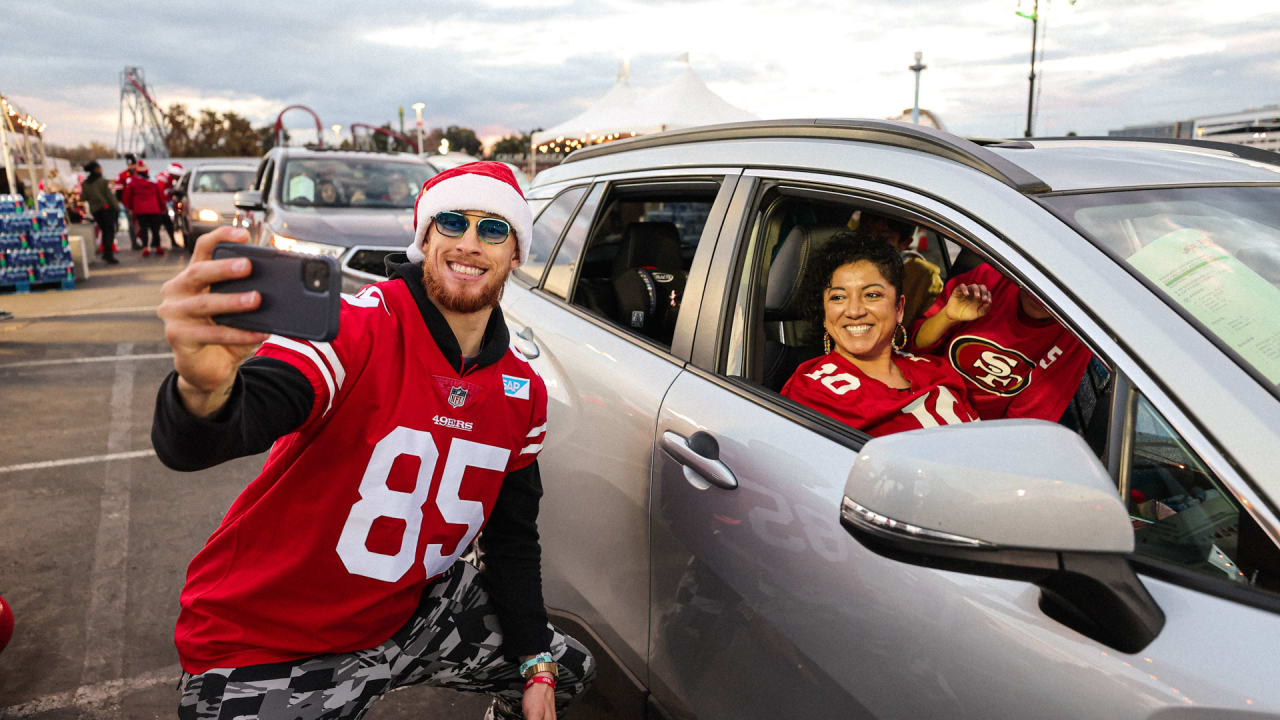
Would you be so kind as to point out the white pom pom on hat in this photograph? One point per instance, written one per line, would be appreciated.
(486, 186)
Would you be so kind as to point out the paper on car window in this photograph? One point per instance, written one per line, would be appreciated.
(301, 186)
(1232, 300)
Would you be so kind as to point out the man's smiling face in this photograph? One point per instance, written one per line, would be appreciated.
(465, 274)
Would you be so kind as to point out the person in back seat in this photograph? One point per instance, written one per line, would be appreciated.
(1016, 358)
(864, 379)
(921, 279)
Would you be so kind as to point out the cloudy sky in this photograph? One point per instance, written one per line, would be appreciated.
(506, 65)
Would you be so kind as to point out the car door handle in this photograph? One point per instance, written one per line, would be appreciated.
(525, 344)
(700, 454)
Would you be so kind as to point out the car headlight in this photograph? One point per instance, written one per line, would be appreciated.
(288, 244)
(207, 215)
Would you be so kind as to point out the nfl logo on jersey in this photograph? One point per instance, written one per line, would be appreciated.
(457, 396)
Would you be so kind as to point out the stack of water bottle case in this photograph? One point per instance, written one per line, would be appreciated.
(33, 243)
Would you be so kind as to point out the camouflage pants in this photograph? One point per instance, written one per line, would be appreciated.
(452, 641)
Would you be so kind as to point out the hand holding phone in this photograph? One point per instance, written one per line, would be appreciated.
(205, 354)
(301, 294)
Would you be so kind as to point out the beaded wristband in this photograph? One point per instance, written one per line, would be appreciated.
(540, 657)
(541, 679)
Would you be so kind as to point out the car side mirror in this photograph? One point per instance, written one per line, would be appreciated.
(1018, 499)
(248, 200)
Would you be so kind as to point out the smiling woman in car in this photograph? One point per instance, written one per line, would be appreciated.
(864, 379)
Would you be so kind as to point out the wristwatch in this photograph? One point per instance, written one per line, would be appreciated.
(547, 667)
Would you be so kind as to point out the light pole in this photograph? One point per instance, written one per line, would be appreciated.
(1034, 17)
(337, 134)
(915, 107)
(417, 107)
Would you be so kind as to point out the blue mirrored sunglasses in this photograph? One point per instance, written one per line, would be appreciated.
(491, 230)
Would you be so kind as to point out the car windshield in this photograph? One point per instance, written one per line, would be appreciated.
(214, 180)
(1212, 253)
(352, 182)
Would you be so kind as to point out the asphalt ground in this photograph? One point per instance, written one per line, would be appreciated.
(95, 533)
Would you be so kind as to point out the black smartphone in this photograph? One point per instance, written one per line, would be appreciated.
(301, 294)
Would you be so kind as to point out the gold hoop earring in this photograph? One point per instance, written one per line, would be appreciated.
(899, 344)
(826, 343)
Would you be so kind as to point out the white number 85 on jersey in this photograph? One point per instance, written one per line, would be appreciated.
(378, 500)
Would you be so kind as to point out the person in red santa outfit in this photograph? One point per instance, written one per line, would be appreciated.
(145, 201)
(122, 182)
(166, 181)
(335, 576)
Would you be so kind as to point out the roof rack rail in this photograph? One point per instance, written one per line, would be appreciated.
(1244, 152)
(884, 132)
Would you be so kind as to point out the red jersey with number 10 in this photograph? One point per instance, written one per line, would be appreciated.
(835, 387)
(392, 475)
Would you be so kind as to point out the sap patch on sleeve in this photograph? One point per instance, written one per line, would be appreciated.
(515, 387)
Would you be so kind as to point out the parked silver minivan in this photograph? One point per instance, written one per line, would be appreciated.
(731, 553)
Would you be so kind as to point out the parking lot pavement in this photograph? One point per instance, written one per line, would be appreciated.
(95, 534)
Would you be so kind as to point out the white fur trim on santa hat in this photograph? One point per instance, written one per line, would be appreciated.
(474, 192)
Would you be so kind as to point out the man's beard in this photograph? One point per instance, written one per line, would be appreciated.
(489, 294)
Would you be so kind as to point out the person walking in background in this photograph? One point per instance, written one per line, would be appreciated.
(145, 200)
(166, 181)
(104, 208)
(122, 182)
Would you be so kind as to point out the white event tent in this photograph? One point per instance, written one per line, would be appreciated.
(685, 101)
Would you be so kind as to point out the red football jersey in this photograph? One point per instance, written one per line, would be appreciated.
(1016, 366)
(834, 386)
(392, 475)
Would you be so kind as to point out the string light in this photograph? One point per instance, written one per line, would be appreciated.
(22, 120)
(563, 144)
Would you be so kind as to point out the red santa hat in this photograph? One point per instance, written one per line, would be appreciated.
(174, 169)
(485, 186)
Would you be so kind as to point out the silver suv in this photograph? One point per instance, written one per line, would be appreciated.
(353, 206)
(735, 554)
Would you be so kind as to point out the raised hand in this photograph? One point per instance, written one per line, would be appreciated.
(968, 302)
(205, 354)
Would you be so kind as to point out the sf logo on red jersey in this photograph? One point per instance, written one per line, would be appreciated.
(996, 369)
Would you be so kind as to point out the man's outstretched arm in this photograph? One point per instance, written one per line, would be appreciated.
(196, 424)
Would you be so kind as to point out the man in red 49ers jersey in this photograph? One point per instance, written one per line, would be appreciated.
(1016, 358)
(334, 577)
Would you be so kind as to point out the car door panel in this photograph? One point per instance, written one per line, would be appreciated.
(603, 395)
(764, 607)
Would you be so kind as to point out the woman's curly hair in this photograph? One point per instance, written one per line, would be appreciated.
(843, 248)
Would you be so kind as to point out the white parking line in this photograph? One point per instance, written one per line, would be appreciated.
(96, 696)
(87, 459)
(108, 584)
(73, 361)
(90, 311)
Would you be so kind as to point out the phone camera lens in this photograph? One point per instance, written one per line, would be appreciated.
(315, 274)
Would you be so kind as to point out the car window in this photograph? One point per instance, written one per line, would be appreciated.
(258, 173)
(546, 231)
(223, 181)
(778, 327)
(560, 276)
(636, 259)
(1011, 364)
(267, 175)
(342, 182)
(1184, 516)
(1211, 253)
